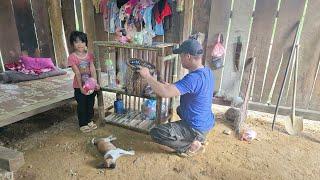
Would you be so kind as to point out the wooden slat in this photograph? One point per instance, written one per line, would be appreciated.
(9, 39)
(264, 17)
(219, 16)
(289, 15)
(239, 28)
(25, 26)
(42, 23)
(68, 17)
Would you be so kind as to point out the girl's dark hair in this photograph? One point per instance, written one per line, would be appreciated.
(77, 34)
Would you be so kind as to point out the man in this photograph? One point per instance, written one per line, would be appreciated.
(186, 137)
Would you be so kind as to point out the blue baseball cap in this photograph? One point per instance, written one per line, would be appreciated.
(190, 46)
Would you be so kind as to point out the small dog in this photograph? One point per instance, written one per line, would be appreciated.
(109, 151)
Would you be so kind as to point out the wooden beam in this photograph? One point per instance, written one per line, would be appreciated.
(88, 22)
(9, 39)
(10, 160)
(56, 22)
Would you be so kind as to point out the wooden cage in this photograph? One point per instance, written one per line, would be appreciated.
(160, 55)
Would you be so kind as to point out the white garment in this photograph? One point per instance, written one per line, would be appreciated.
(116, 153)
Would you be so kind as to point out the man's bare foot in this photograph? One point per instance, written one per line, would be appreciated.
(195, 148)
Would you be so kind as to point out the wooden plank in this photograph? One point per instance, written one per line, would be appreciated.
(10, 159)
(309, 60)
(239, 28)
(69, 21)
(9, 39)
(18, 117)
(289, 15)
(264, 17)
(201, 19)
(60, 48)
(175, 21)
(88, 22)
(283, 110)
(25, 26)
(219, 16)
(41, 21)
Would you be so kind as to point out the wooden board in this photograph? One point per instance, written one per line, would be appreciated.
(131, 120)
(289, 15)
(9, 40)
(309, 59)
(10, 159)
(201, 18)
(25, 25)
(57, 33)
(69, 21)
(27, 98)
(172, 35)
(219, 16)
(242, 13)
(42, 23)
(264, 16)
(88, 22)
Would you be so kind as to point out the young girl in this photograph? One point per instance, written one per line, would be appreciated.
(82, 65)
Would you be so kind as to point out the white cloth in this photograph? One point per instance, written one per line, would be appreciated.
(116, 153)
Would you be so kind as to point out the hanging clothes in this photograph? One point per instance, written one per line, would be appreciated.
(161, 10)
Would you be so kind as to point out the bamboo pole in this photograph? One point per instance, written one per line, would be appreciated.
(300, 27)
(270, 48)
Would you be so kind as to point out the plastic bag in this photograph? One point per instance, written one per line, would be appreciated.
(89, 85)
(218, 49)
(148, 109)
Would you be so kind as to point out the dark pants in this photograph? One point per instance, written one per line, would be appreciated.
(85, 106)
(176, 135)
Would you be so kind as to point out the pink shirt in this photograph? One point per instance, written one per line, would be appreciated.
(83, 65)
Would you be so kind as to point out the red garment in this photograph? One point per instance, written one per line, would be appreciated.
(103, 6)
(165, 12)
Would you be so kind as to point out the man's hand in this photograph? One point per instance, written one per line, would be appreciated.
(144, 72)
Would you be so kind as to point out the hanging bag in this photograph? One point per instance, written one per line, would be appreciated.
(217, 53)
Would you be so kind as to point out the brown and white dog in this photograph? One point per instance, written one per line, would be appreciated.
(109, 151)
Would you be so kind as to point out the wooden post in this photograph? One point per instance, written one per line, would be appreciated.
(57, 32)
(88, 22)
(99, 94)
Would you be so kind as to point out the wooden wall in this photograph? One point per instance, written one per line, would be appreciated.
(266, 28)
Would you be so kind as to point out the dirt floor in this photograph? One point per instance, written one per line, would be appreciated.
(54, 148)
